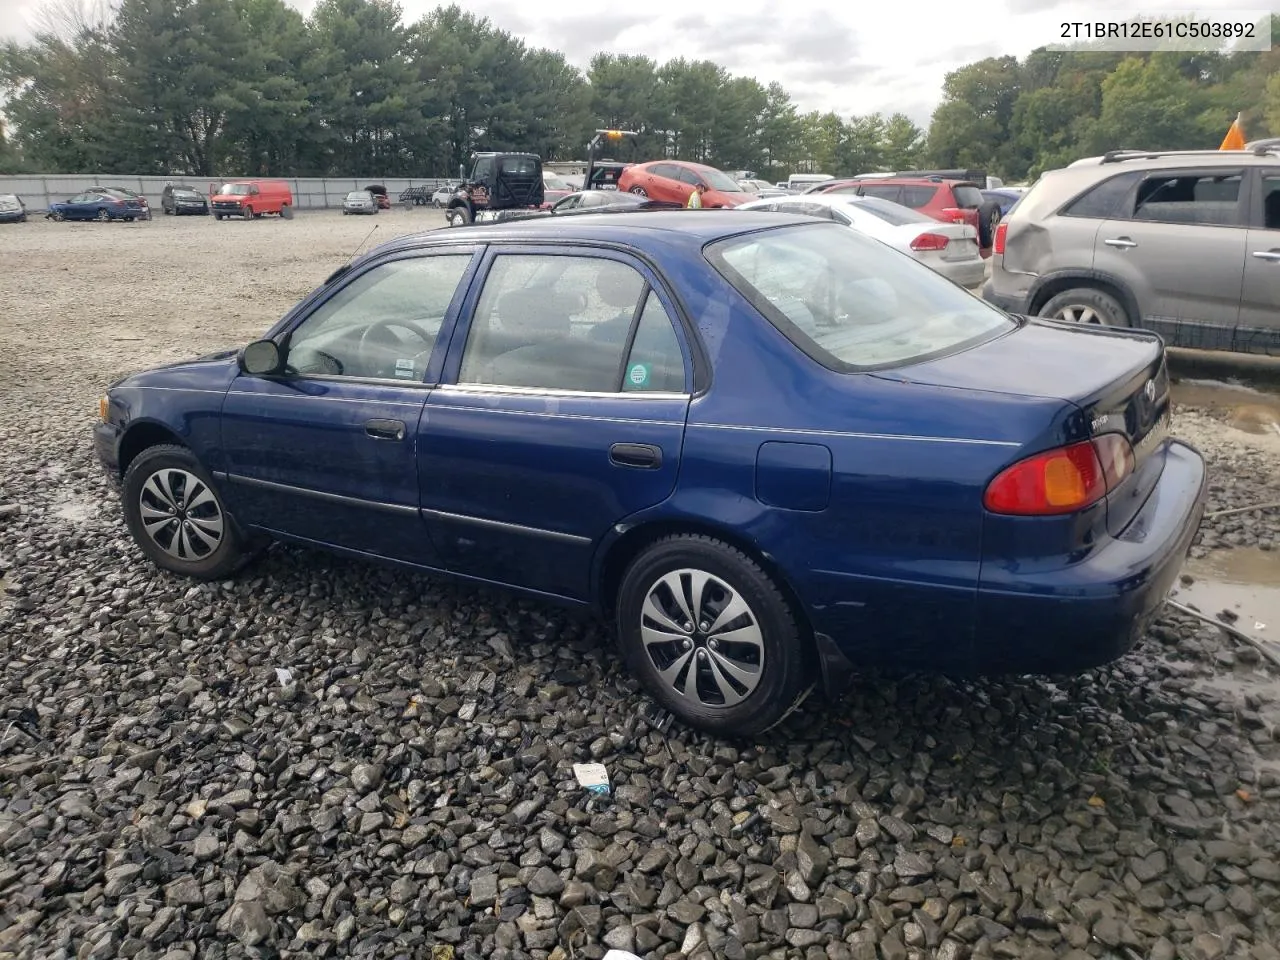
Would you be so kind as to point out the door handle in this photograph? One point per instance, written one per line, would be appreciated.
(643, 455)
(1267, 254)
(1123, 242)
(384, 429)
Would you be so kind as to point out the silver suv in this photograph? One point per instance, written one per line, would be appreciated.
(1184, 243)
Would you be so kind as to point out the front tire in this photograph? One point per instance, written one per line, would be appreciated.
(177, 516)
(711, 636)
(458, 216)
(1087, 305)
(640, 192)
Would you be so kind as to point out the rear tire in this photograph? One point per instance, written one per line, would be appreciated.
(201, 539)
(739, 664)
(1087, 305)
(988, 220)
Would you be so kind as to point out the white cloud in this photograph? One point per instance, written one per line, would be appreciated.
(829, 54)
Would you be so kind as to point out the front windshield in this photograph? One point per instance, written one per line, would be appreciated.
(551, 182)
(720, 181)
(749, 186)
(851, 302)
(358, 195)
(234, 190)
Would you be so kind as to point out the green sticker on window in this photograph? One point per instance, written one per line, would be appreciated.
(638, 374)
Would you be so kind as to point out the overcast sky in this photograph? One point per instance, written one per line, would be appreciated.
(829, 54)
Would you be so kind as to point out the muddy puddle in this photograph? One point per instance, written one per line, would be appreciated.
(1248, 409)
(1244, 581)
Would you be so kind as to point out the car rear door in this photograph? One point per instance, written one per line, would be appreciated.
(561, 413)
(1259, 326)
(327, 451)
(1179, 244)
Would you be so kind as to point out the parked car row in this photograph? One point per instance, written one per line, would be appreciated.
(246, 199)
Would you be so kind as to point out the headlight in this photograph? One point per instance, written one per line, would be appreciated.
(103, 406)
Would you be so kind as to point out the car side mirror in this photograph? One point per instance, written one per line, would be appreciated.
(261, 358)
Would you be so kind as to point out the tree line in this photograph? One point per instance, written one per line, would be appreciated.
(216, 87)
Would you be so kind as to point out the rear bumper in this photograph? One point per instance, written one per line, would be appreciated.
(967, 273)
(1006, 303)
(1092, 612)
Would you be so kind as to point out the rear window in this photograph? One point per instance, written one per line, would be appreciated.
(850, 302)
(967, 198)
(892, 213)
(518, 166)
(917, 197)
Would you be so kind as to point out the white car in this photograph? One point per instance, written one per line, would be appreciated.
(441, 197)
(950, 249)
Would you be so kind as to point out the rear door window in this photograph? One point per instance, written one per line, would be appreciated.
(917, 197)
(1204, 198)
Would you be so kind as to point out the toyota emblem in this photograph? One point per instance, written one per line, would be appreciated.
(1150, 389)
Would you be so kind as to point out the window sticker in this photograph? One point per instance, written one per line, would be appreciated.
(638, 375)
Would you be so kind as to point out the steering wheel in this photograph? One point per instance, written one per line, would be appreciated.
(366, 348)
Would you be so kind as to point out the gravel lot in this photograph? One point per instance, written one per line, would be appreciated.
(409, 792)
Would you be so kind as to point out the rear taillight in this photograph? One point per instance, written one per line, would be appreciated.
(1001, 232)
(1063, 480)
(929, 241)
(954, 215)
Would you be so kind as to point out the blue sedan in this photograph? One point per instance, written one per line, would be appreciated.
(102, 205)
(768, 449)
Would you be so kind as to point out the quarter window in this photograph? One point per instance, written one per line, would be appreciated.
(383, 324)
(563, 323)
(1204, 199)
(1104, 202)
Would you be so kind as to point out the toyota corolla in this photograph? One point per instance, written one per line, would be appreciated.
(767, 449)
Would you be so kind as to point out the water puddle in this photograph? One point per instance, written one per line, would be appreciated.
(1244, 581)
(1250, 410)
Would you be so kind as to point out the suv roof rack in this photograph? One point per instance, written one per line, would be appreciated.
(1118, 156)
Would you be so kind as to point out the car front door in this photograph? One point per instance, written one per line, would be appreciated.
(1180, 246)
(81, 207)
(561, 413)
(327, 451)
(1259, 325)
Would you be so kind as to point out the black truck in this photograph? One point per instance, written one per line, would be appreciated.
(500, 186)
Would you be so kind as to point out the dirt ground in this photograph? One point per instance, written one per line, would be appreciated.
(126, 296)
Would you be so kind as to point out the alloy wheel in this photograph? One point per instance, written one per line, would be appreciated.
(1080, 313)
(181, 515)
(702, 638)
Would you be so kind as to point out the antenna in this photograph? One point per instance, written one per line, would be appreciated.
(362, 243)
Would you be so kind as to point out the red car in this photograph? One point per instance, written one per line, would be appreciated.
(948, 201)
(675, 180)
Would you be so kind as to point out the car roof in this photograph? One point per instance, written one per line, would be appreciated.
(672, 228)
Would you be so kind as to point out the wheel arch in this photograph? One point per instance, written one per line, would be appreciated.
(619, 554)
(142, 435)
(1053, 284)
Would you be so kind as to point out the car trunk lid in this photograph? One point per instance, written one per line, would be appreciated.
(1116, 380)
